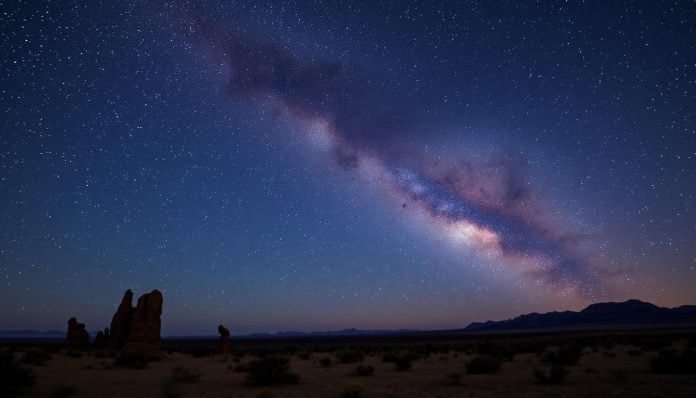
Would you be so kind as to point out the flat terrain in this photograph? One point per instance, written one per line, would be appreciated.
(607, 365)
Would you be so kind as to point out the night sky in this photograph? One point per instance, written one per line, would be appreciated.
(322, 165)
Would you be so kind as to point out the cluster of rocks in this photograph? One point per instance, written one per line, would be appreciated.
(132, 328)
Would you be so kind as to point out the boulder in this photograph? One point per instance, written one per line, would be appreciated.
(224, 340)
(77, 337)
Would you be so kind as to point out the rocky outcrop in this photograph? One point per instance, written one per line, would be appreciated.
(224, 340)
(102, 339)
(136, 328)
(120, 323)
(77, 337)
(145, 323)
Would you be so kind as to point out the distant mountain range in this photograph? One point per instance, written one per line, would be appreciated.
(344, 332)
(631, 312)
(600, 315)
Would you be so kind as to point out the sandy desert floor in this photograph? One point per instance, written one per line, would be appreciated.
(621, 371)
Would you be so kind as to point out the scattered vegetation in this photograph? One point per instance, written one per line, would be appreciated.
(133, 359)
(35, 358)
(325, 362)
(403, 362)
(352, 391)
(481, 364)
(364, 370)
(265, 394)
(555, 375)
(350, 356)
(64, 391)
(181, 374)
(271, 369)
(564, 356)
(674, 362)
(15, 378)
(454, 379)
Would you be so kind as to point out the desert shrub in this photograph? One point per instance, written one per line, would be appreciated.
(325, 362)
(272, 369)
(350, 356)
(181, 374)
(265, 394)
(64, 391)
(305, 356)
(15, 378)
(403, 362)
(483, 364)
(292, 378)
(389, 357)
(352, 391)
(74, 354)
(132, 359)
(498, 350)
(635, 353)
(674, 362)
(35, 358)
(364, 370)
(564, 356)
(556, 375)
(454, 379)
(241, 368)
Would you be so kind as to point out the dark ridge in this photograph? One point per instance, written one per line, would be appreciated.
(631, 312)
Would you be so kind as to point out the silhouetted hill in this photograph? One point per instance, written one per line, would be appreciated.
(631, 312)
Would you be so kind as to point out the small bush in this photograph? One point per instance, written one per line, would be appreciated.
(241, 368)
(350, 356)
(305, 356)
(564, 356)
(184, 375)
(64, 391)
(483, 364)
(325, 362)
(674, 362)
(133, 359)
(389, 357)
(15, 378)
(265, 394)
(555, 376)
(403, 362)
(454, 379)
(272, 369)
(364, 370)
(74, 354)
(292, 378)
(635, 353)
(35, 358)
(352, 391)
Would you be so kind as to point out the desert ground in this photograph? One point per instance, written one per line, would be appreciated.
(625, 364)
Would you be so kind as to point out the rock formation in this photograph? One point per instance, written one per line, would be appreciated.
(145, 323)
(77, 335)
(102, 339)
(120, 323)
(137, 329)
(224, 341)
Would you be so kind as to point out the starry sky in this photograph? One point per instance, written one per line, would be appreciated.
(319, 165)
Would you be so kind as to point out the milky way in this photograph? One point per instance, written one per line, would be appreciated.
(488, 206)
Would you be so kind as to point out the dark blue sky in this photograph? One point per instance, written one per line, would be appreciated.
(321, 165)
